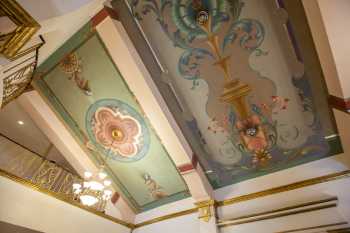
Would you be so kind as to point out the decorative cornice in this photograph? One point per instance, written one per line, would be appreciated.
(26, 27)
(205, 209)
(279, 215)
(166, 217)
(62, 197)
(285, 188)
(102, 14)
(314, 227)
(281, 212)
(340, 230)
(289, 187)
(341, 104)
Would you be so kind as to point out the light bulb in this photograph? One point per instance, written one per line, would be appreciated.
(107, 182)
(87, 174)
(102, 175)
(88, 200)
(107, 192)
(76, 186)
(86, 184)
(77, 191)
(94, 185)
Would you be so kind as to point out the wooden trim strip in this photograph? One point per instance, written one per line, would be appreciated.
(341, 104)
(285, 188)
(279, 215)
(62, 198)
(281, 209)
(315, 227)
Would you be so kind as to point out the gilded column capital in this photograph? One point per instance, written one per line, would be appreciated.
(206, 209)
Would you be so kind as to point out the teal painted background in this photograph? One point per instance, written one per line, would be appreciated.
(106, 82)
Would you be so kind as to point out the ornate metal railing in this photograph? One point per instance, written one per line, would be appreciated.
(22, 58)
(18, 76)
(22, 162)
(26, 26)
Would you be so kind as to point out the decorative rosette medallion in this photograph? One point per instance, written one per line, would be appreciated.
(117, 130)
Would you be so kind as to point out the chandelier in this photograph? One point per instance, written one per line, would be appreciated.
(94, 190)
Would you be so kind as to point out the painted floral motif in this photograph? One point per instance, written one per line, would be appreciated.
(252, 133)
(71, 65)
(117, 132)
(254, 121)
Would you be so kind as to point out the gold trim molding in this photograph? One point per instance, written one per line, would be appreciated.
(205, 209)
(278, 215)
(166, 217)
(292, 207)
(314, 227)
(26, 28)
(284, 188)
(61, 197)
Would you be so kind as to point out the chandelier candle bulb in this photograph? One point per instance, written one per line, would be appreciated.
(88, 200)
(102, 175)
(87, 175)
(107, 182)
(92, 192)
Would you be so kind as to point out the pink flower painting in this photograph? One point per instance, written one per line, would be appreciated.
(117, 132)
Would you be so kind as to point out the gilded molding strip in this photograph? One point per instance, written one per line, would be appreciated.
(341, 230)
(26, 27)
(279, 215)
(280, 209)
(289, 187)
(62, 197)
(166, 217)
(285, 188)
(315, 227)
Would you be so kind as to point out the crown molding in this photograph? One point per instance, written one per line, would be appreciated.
(284, 188)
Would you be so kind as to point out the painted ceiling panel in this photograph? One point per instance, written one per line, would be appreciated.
(86, 90)
(256, 98)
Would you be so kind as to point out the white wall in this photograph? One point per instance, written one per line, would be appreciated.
(184, 224)
(282, 224)
(23, 206)
(57, 30)
(335, 15)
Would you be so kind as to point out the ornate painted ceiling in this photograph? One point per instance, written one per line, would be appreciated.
(249, 76)
(85, 88)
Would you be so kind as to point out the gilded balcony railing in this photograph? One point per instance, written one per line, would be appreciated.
(22, 162)
(16, 45)
(18, 75)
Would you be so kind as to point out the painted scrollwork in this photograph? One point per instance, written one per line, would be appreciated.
(253, 113)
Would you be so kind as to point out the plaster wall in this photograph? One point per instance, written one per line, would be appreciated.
(184, 224)
(284, 224)
(28, 208)
(56, 30)
(328, 20)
